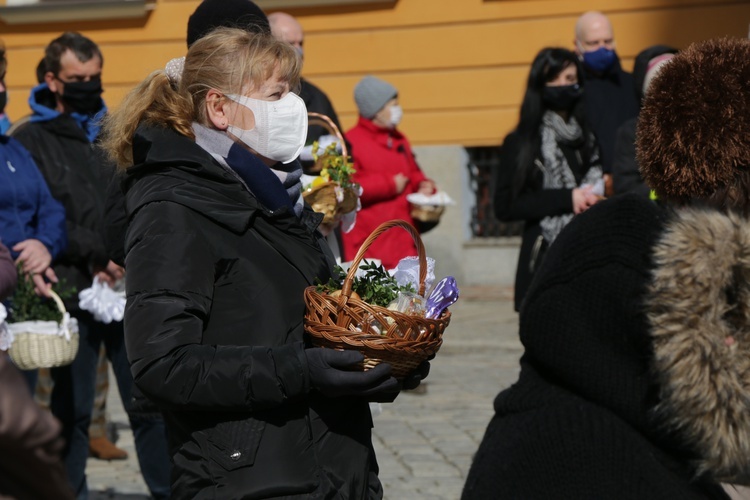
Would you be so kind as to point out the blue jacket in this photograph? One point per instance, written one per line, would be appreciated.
(27, 209)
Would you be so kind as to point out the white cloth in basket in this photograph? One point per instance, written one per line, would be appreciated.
(440, 198)
(107, 305)
(407, 272)
(6, 338)
(8, 331)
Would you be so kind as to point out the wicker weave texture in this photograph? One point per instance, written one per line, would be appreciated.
(344, 322)
(34, 350)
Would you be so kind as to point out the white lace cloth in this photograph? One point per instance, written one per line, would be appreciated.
(8, 331)
(407, 272)
(440, 198)
(107, 305)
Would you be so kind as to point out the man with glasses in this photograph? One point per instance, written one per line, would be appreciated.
(61, 135)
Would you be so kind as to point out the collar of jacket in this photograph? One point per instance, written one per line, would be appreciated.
(170, 167)
(42, 103)
(698, 309)
(385, 136)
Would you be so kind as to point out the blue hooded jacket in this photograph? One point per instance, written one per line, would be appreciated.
(41, 102)
(27, 209)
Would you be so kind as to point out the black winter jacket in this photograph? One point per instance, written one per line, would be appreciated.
(534, 203)
(76, 173)
(214, 333)
(608, 403)
(609, 101)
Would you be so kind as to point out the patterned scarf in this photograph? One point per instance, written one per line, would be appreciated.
(555, 168)
(274, 187)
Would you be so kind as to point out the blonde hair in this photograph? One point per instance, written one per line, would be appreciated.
(228, 60)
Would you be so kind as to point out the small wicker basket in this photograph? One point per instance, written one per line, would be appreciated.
(327, 123)
(31, 349)
(407, 340)
(322, 198)
(427, 213)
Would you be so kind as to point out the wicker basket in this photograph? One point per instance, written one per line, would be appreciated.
(407, 340)
(427, 213)
(322, 198)
(327, 123)
(31, 349)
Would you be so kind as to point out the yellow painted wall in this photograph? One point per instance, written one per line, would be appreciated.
(459, 65)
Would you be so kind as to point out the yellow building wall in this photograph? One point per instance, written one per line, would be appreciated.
(460, 65)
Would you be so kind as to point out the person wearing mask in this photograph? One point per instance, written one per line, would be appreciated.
(386, 170)
(62, 137)
(219, 249)
(287, 29)
(549, 165)
(32, 222)
(626, 176)
(609, 100)
(633, 380)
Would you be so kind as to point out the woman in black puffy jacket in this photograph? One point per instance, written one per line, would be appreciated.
(219, 250)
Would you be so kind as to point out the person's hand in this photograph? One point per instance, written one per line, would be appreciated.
(334, 374)
(110, 274)
(427, 187)
(33, 256)
(43, 286)
(401, 181)
(583, 198)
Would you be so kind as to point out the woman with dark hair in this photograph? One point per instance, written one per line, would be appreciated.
(549, 165)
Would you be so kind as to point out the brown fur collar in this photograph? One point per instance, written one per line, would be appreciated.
(699, 311)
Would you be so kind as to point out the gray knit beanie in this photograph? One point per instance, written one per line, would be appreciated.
(371, 94)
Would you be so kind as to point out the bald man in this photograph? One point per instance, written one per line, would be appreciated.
(288, 29)
(609, 99)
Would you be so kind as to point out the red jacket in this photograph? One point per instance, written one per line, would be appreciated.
(379, 154)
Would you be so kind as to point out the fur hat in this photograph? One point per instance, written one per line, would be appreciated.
(371, 94)
(693, 138)
(211, 14)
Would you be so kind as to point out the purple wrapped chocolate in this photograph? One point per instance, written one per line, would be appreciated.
(443, 295)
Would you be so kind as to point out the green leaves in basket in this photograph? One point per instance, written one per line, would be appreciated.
(26, 305)
(376, 287)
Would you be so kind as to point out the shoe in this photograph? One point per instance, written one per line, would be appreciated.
(103, 449)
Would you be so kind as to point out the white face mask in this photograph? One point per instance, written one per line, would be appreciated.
(396, 114)
(280, 126)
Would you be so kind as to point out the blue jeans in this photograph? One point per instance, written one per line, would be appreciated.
(73, 399)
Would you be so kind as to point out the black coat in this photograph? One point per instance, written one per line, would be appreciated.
(609, 101)
(581, 421)
(76, 173)
(534, 203)
(214, 332)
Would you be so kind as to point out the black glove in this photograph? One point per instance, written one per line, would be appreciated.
(328, 374)
(412, 380)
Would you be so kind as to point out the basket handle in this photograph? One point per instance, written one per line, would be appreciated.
(58, 301)
(327, 123)
(346, 289)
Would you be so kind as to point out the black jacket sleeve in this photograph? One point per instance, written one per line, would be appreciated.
(533, 202)
(171, 271)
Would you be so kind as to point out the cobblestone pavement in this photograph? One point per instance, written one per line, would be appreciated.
(424, 441)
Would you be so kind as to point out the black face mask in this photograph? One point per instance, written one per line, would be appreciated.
(562, 98)
(3, 101)
(83, 97)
